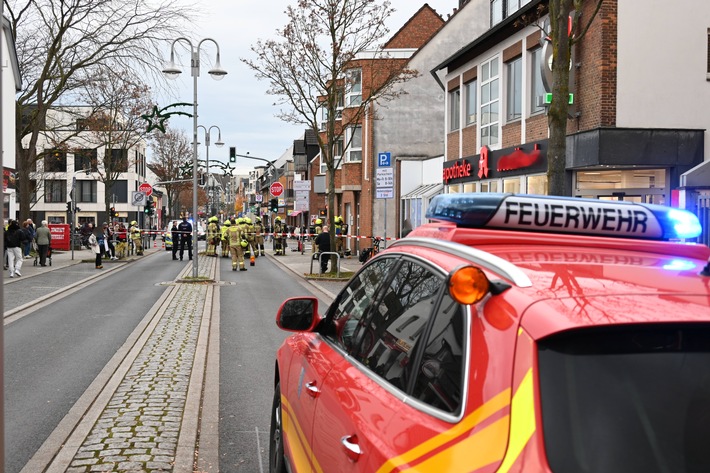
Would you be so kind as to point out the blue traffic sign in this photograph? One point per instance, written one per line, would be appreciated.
(384, 159)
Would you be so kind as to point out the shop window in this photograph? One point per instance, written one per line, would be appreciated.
(490, 103)
(489, 186)
(537, 184)
(537, 89)
(511, 185)
(514, 94)
(454, 110)
(471, 102)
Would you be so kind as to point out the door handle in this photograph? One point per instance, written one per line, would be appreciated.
(312, 389)
(352, 447)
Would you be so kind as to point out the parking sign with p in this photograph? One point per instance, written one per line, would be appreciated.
(384, 159)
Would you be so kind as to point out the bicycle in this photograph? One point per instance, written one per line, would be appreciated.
(368, 253)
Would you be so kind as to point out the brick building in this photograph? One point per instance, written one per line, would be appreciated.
(637, 127)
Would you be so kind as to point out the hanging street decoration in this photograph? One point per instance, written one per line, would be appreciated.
(157, 118)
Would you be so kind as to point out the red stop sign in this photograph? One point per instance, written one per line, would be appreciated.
(146, 188)
(276, 189)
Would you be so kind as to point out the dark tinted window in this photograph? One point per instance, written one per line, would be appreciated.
(353, 302)
(397, 321)
(629, 399)
(440, 375)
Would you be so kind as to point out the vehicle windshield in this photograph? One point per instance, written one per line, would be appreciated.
(629, 399)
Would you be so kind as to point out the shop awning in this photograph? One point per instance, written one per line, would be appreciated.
(294, 213)
(425, 191)
(699, 176)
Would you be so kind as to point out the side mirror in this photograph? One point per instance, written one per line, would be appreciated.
(298, 314)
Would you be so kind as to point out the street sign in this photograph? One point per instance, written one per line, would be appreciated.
(276, 189)
(384, 159)
(302, 185)
(384, 193)
(384, 177)
(146, 188)
(138, 198)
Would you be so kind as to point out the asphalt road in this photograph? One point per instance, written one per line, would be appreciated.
(55, 352)
(52, 355)
(249, 339)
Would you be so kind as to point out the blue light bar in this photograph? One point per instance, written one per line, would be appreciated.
(540, 213)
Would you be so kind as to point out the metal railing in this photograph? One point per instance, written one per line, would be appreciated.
(316, 257)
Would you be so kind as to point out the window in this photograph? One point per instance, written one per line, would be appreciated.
(471, 102)
(33, 191)
(338, 154)
(117, 160)
(118, 191)
(501, 9)
(397, 320)
(85, 159)
(537, 89)
(440, 374)
(353, 90)
(455, 109)
(354, 137)
(55, 160)
(85, 191)
(354, 301)
(490, 101)
(515, 89)
(55, 191)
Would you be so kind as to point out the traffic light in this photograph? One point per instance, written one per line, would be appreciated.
(69, 207)
(149, 209)
(274, 205)
(232, 154)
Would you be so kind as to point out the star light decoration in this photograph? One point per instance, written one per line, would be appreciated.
(156, 118)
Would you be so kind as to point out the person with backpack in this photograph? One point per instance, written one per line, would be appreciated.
(13, 243)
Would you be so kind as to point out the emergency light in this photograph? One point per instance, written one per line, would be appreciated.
(540, 213)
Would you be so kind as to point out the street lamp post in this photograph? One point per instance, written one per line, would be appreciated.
(219, 143)
(171, 71)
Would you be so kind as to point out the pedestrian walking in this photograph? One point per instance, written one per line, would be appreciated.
(29, 229)
(317, 231)
(323, 242)
(13, 243)
(224, 239)
(185, 229)
(96, 248)
(259, 235)
(44, 239)
(212, 236)
(279, 241)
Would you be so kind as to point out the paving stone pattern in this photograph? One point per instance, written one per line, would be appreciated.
(138, 431)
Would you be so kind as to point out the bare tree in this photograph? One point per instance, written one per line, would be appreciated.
(308, 68)
(113, 127)
(565, 31)
(171, 151)
(61, 45)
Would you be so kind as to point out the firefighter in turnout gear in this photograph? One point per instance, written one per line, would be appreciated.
(278, 237)
(135, 233)
(339, 240)
(318, 230)
(236, 245)
(224, 239)
(259, 236)
(252, 249)
(212, 236)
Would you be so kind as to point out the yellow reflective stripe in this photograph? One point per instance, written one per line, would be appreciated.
(486, 444)
(476, 417)
(522, 427)
(300, 452)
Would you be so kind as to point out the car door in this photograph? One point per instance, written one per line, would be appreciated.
(367, 389)
(317, 356)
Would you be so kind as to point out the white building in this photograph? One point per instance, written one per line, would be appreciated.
(10, 84)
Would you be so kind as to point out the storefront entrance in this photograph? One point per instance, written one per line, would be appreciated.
(634, 185)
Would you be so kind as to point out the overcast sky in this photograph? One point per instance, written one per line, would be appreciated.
(238, 104)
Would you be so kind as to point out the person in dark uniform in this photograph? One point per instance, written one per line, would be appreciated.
(185, 229)
(323, 242)
(175, 235)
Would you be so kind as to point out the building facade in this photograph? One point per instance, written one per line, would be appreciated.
(10, 84)
(638, 113)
